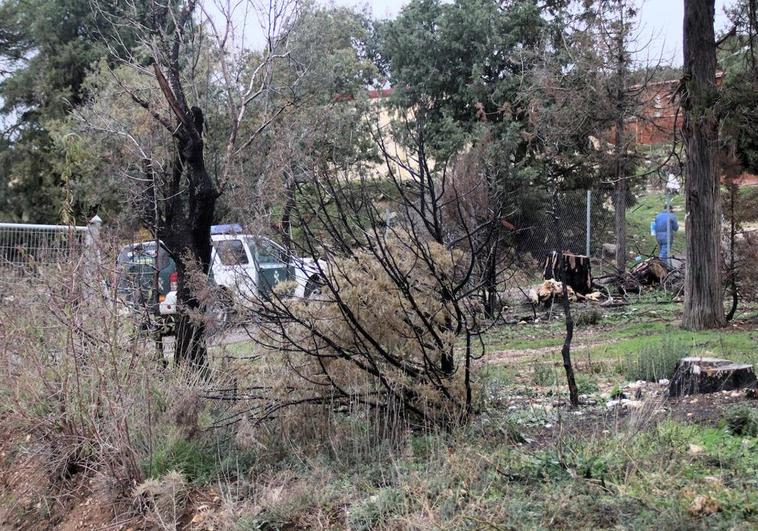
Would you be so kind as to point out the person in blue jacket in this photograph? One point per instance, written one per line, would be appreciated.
(663, 220)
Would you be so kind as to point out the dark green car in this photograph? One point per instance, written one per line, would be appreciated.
(144, 278)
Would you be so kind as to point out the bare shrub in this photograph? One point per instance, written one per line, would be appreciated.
(162, 500)
(80, 375)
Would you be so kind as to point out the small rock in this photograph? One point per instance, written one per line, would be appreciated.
(664, 381)
(704, 505)
(695, 449)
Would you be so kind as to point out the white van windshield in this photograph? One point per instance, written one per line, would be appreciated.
(231, 252)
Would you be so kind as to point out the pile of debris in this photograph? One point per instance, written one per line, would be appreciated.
(551, 291)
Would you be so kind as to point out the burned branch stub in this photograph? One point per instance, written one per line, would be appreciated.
(577, 271)
(709, 375)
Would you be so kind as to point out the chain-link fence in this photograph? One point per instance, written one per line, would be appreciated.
(584, 219)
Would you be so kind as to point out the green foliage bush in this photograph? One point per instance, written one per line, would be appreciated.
(586, 385)
(194, 460)
(655, 361)
(742, 420)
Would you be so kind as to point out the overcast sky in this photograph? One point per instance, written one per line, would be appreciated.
(660, 23)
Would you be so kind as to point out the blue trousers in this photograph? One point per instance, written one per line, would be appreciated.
(663, 246)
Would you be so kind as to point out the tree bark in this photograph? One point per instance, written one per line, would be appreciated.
(703, 306)
(490, 283)
(186, 231)
(620, 151)
(566, 349)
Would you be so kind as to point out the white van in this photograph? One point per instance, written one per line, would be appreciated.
(246, 266)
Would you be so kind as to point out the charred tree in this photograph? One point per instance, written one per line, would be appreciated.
(566, 348)
(703, 307)
(574, 269)
(186, 231)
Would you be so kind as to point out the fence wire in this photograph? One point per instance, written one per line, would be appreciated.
(583, 224)
(26, 247)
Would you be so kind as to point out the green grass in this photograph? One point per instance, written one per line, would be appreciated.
(655, 361)
(474, 479)
(737, 345)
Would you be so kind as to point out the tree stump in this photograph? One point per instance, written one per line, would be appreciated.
(650, 271)
(577, 271)
(709, 375)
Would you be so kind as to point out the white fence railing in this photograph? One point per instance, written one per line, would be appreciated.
(24, 245)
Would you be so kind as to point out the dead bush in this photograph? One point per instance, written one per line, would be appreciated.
(80, 376)
(162, 500)
(371, 340)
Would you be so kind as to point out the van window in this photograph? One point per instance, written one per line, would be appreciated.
(231, 252)
(266, 252)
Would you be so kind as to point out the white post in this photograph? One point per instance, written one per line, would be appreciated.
(92, 256)
(589, 221)
(668, 227)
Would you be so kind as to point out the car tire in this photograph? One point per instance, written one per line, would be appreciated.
(220, 311)
(313, 287)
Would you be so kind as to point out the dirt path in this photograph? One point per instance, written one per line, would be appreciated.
(502, 357)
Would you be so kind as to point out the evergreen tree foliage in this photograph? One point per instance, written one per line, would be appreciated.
(46, 50)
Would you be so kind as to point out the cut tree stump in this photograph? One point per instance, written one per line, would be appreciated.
(650, 271)
(577, 271)
(709, 375)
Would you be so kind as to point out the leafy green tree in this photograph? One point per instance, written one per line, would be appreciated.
(46, 50)
(458, 67)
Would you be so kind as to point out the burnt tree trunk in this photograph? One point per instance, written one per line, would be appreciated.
(490, 282)
(575, 269)
(703, 306)
(289, 206)
(566, 349)
(189, 214)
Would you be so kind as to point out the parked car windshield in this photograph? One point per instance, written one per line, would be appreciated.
(267, 252)
(143, 253)
(231, 252)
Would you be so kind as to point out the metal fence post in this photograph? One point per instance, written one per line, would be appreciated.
(93, 232)
(92, 255)
(589, 221)
(668, 228)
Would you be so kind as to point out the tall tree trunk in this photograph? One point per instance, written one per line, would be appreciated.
(187, 234)
(703, 306)
(289, 206)
(619, 200)
(620, 190)
(490, 282)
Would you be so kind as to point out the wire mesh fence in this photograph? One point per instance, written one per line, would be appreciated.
(26, 247)
(583, 221)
